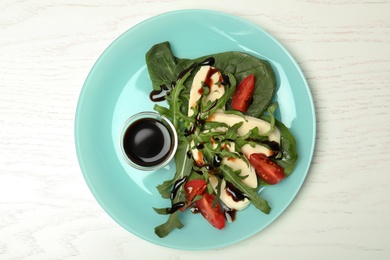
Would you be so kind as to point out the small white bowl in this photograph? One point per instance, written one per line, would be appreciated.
(148, 141)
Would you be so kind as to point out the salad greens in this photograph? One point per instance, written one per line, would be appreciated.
(175, 75)
(164, 68)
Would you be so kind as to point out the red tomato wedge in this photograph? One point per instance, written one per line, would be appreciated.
(242, 97)
(213, 215)
(267, 170)
(194, 187)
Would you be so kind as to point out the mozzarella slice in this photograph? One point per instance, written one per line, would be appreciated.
(226, 198)
(236, 164)
(196, 154)
(211, 76)
(248, 124)
(247, 171)
(247, 150)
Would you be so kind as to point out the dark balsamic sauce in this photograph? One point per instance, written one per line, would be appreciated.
(176, 186)
(225, 80)
(160, 94)
(190, 131)
(175, 207)
(210, 168)
(208, 80)
(195, 210)
(230, 214)
(200, 146)
(207, 62)
(235, 193)
(272, 144)
(147, 142)
(217, 160)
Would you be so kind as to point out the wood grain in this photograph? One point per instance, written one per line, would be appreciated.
(47, 49)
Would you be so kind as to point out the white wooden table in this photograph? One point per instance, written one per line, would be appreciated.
(46, 51)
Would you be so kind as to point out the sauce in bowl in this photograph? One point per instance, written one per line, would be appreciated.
(148, 141)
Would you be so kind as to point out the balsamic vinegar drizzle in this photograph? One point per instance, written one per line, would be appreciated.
(235, 193)
(159, 95)
(176, 186)
(207, 62)
(175, 207)
(217, 160)
(230, 214)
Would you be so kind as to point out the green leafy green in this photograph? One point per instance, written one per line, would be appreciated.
(288, 147)
(164, 68)
(242, 65)
(176, 74)
(172, 223)
(161, 64)
(232, 177)
(271, 110)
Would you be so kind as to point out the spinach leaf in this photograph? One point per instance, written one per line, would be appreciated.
(288, 147)
(241, 65)
(165, 68)
(161, 63)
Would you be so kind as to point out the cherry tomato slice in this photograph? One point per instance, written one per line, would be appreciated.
(194, 187)
(213, 215)
(267, 170)
(242, 97)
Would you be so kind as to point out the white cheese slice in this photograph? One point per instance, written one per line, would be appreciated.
(216, 91)
(228, 199)
(196, 154)
(212, 76)
(247, 150)
(248, 124)
(236, 164)
(247, 171)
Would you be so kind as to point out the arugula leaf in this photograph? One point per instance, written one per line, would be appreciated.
(175, 103)
(165, 188)
(161, 211)
(163, 111)
(209, 125)
(172, 223)
(232, 132)
(271, 110)
(257, 201)
(182, 161)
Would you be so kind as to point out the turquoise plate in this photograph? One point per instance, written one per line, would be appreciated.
(118, 86)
